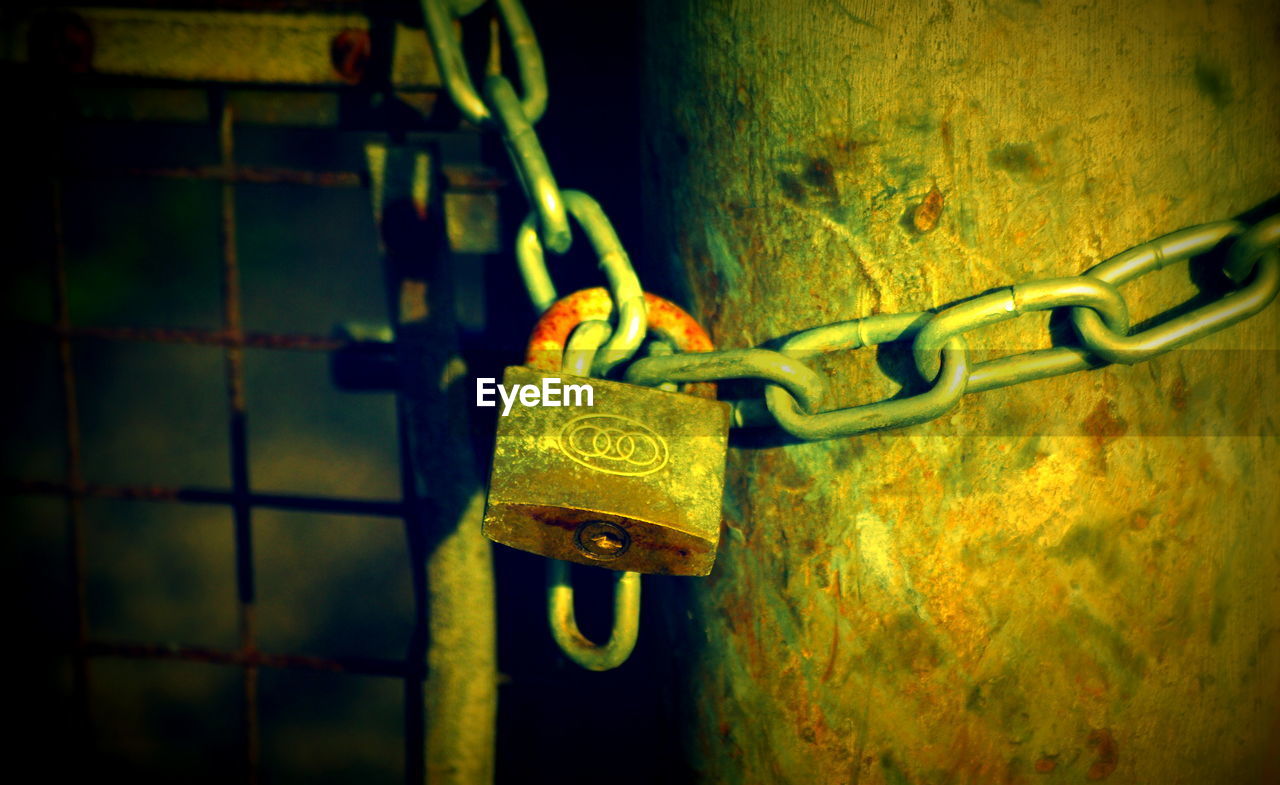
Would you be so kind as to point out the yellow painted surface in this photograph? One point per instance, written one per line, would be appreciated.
(1073, 580)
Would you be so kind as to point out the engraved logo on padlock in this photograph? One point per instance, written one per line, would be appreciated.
(614, 444)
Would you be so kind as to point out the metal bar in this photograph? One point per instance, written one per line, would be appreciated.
(240, 503)
(366, 666)
(201, 46)
(458, 641)
(182, 335)
(159, 493)
(461, 179)
(314, 6)
(416, 522)
(415, 527)
(236, 174)
(74, 478)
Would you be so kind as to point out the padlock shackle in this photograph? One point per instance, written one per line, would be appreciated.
(567, 339)
(550, 335)
(564, 623)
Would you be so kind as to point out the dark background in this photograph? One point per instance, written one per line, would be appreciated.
(145, 253)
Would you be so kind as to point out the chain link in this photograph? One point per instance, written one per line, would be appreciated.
(1098, 311)
(801, 381)
(948, 386)
(439, 16)
(624, 285)
(547, 225)
(596, 346)
(530, 163)
(1240, 304)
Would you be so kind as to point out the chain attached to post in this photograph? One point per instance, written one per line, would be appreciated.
(1098, 310)
(793, 391)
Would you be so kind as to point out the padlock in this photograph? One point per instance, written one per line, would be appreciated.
(632, 481)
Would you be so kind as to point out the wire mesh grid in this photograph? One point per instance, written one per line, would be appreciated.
(239, 498)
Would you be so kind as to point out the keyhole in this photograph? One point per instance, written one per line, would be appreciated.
(602, 540)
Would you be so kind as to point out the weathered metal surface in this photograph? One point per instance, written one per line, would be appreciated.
(214, 46)
(367, 666)
(632, 481)
(163, 493)
(471, 222)
(1066, 581)
(456, 617)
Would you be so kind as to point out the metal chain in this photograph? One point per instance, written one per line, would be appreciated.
(624, 284)
(595, 346)
(1099, 314)
(547, 226)
(439, 17)
(793, 391)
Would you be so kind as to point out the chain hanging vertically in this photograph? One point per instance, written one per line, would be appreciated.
(547, 227)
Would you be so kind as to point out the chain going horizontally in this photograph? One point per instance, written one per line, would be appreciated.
(596, 346)
(794, 392)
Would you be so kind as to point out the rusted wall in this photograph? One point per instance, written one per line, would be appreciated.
(1072, 580)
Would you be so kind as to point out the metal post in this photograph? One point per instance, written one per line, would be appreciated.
(1069, 581)
(456, 629)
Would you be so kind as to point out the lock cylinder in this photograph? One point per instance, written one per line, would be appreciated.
(602, 540)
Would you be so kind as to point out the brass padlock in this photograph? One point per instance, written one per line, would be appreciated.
(631, 482)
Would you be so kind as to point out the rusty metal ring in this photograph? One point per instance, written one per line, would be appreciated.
(547, 342)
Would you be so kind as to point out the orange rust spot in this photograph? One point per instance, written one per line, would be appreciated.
(1092, 685)
(1103, 424)
(1046, 765)
(1178, 394)
(1108, 754)
(832, 656)
(948, 141)
(546, 343)
(926, 214)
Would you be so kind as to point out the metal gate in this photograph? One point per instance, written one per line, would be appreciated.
(169, 136)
